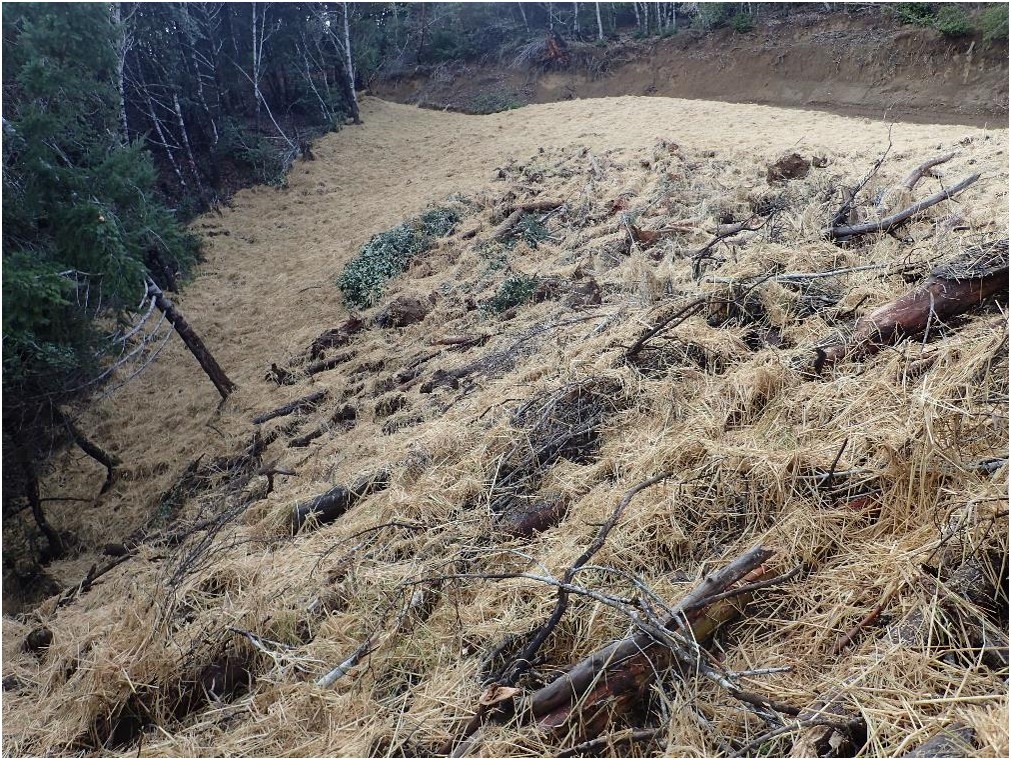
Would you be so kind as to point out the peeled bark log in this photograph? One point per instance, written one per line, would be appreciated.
(613, 679)
(196, 346)
(937, 299)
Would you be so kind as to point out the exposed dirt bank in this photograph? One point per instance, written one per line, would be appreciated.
(850, 65)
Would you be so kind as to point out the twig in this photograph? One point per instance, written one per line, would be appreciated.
(525, 658)
(628, 737)
(788, 728)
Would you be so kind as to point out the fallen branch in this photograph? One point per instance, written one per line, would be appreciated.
(526, 657)
(298, 405)
(893, 221)
(923, 170)
(620, 672)
(516, 213)
(614, 741)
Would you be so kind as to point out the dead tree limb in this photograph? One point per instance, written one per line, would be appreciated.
(524, 660)
(56, 546)
(843, 231)
(196, 346)
(93, 450)
(516, 213)
(619, 673)
(923, 170)
(298, 405)
(939, 298)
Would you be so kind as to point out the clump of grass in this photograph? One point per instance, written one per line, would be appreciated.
(515, 290)
(387, 254)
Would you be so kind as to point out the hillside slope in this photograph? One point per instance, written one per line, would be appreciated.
(858, 64)
(216, 628)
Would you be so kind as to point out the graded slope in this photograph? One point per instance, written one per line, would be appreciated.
(725, 402)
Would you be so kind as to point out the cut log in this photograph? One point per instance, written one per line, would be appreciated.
(330, 505)
(616, 676)
(939, 298)
(325, 365)
(298, 405)
(196, 346)
(891, 222)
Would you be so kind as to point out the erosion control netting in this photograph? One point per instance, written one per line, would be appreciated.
(506, 439)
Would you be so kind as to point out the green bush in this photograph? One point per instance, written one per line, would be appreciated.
(712, 15)
(952, 21)
(920, 14)
(532, 230)
(493, 102)
(742, 22)
(257, 153)
(387, 254)
(516, 289)
(994, 22)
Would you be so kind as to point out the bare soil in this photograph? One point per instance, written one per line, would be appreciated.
(852, 64)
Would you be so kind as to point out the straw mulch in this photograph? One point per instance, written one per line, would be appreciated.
(880, 478)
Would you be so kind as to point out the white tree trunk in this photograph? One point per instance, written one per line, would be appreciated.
(575, 18)
(600, 23)
(351, 72)
(123, 43)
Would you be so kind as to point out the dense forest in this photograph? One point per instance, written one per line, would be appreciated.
(124, 120)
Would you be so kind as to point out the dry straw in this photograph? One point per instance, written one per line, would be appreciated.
(872, 478)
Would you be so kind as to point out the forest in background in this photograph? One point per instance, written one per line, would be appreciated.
(123, 120)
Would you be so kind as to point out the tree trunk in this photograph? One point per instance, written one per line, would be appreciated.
(189, 151)
(122, 46)
(600, 23)
(575, 19)
(355, 115)
(196, 346)
(523, 15)
(56, 547)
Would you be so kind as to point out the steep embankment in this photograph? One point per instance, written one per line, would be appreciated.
(852, 65)
(209, 638)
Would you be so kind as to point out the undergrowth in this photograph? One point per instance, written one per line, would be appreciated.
(387, 254)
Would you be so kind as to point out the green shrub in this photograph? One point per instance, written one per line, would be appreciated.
(516, 289)
(532, 230)
(493, 102)
(952, 21)
(387, 254)
(920, 14)
(712, 15)
(742, 22)
(994, 22)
